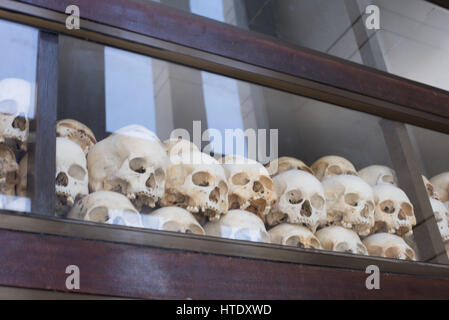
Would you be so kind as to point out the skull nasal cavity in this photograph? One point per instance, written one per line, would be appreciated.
(19, 123)
(258, 187)
(214, 196)
(306, 209)
(201, 179)
(151, 182)
(62, 179)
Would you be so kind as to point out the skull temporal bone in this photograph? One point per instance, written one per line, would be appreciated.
(15, 102)
(131, 161)
(301, 200)
(394, 212)
(250, 186)
(350, 203)
(197, 183)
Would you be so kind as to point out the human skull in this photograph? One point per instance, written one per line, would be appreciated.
(250, 186)
(301, 200)
(8, 170)
(283, 164)
(294, 235)
(394, 212)
(430, 188)
(131, 161)
(71, 175)
(77, 132)
(339, 239)
(172, 219)
(179, 146)
(238, 225)
(441, 184)
(388, 245)
(106, 207)
(196, 182)
(350, 203)
(378, 174)
(15, 102)
(441, 213)
(330, 166)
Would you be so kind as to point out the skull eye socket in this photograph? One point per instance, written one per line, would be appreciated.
(294, 196)
(335, 170)
(19, 123)
(77, 172)
(99, 214)
(410, 254)
(295, 241)
(240, 179)
(194, 229)
(352, 199)
(138, 165)
(387, 206)
(407, 208)
(393, 253)
(342, 247)
(172, 226)
(201, 179)
(317, 201)
(62, 179)
(361, 249)
(8, 107)
(223, 186)
(375, 251)
(387, 179)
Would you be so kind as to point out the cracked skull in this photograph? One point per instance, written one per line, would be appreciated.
(77, 132)
(250, 186)
(441, 184)
(374, 175)
(388, 245)
(294, 235)
(441, 213)
(330, 166)
(430, 188)
(71, 174)
(106, 207)
(15, 102)
(350, 203)
(196, 182)
(131, 161)
(238, 225)
(301, 200)
(339, 239)
(394, 212)
(283, 164)
(172, 219)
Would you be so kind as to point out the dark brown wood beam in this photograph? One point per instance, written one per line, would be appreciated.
(39, 261)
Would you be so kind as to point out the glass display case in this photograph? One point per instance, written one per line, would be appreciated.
(117, 136)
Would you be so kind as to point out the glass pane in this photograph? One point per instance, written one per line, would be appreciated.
(411, 40)
(433, 160)
(18, 60)
(183, 150)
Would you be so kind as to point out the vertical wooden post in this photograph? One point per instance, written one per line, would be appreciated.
(42, 155)
(426, 232)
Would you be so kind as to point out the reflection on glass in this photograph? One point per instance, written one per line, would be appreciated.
(18, 59)
(412, 41)
(128, 83)
(330, 185)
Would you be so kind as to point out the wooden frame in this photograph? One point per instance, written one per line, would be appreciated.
(161, 32)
